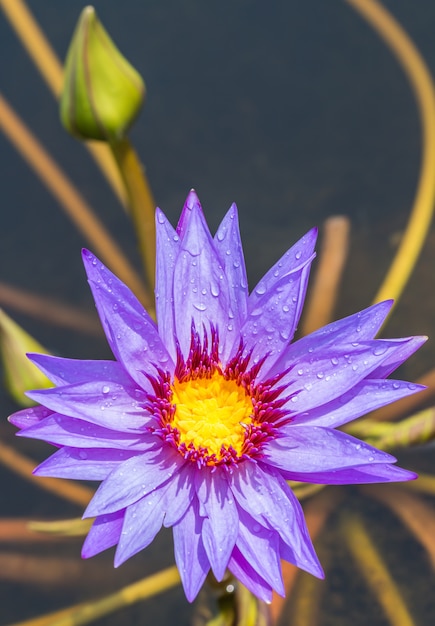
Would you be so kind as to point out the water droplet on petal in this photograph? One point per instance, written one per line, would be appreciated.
(298, 255)
(176, 238)
(214, 290)
(334, 360)
(380, 349)
(286, 308)
(105, 389)
(260, 290)
(200, 306)
(83, 455)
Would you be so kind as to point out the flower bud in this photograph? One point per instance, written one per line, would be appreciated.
(102, 93)
(19, 373)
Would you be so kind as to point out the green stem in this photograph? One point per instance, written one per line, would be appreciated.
(140, 201)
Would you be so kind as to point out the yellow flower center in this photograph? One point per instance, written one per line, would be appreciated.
(210, 413)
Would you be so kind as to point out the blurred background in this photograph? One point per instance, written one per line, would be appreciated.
(294, 110)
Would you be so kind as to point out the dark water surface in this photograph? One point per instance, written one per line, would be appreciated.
(294, 110)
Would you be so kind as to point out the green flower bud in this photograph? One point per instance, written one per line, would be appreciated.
(102, 93)
(19, 373)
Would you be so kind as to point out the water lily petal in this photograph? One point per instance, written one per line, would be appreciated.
(131, 333)
(221, 526)
(133, 480)
(202, 290)
(190, 554)
(83, 463)
(104, 533)
(104, 403)
(316, 449)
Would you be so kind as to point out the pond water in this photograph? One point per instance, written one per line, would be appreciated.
(294, 110)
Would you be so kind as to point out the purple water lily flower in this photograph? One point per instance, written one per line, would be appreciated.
(202, 418)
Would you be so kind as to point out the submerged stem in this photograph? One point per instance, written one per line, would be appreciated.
(375, 572)
(88, 612)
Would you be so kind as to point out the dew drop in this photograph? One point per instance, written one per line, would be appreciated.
(286, 308)
(203, 291)
(83, 455)
(214, 290)
(236, 264)
(379, 349)
(105, 389)
(298, 255)
(320, 375)
(220, 235)
(300, 372)
(176, 238)
(260, 290)
(200, 306)
(256, 528)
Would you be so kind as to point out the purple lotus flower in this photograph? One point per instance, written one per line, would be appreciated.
(202, 418)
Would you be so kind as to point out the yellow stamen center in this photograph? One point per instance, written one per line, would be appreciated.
(210, 413)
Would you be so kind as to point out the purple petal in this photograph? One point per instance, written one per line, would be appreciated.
(355, 328)
(275, 305)
(142, 522)
(264, 494)
(67, 431)
(249, 577)
(71, 371)
(167, 249)
(104, 533)
(28, 417)
(190, 555)
(379, 473)
(327, 373)
(103, 403)
(179, 495)
(260, 547)
(407, 346)
(191, 205)
(202, 293)
(133, 480)
(83, 464)
(315, 449)
(131, 333)
(220, 527)
(364, 397)
(229, 248)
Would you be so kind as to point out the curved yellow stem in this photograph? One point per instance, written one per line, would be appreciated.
(43, 56)
(422, 85)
